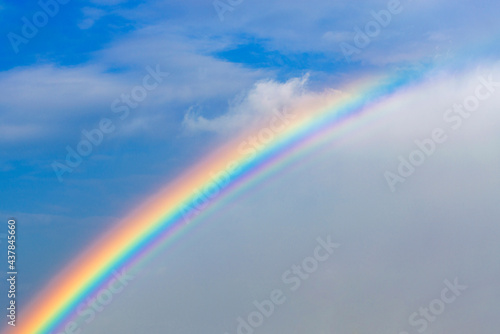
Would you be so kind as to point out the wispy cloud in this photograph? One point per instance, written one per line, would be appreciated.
(90, 17)
(262, 100)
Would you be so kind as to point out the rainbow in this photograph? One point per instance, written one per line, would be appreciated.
(180, 205)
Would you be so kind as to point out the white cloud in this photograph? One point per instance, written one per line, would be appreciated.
(44, 101)
(91, 16)
(261, 101)
(397, 249)
(319, 26)
(56, 99)
(337, 37)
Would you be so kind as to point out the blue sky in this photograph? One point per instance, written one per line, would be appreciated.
(64, 79)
